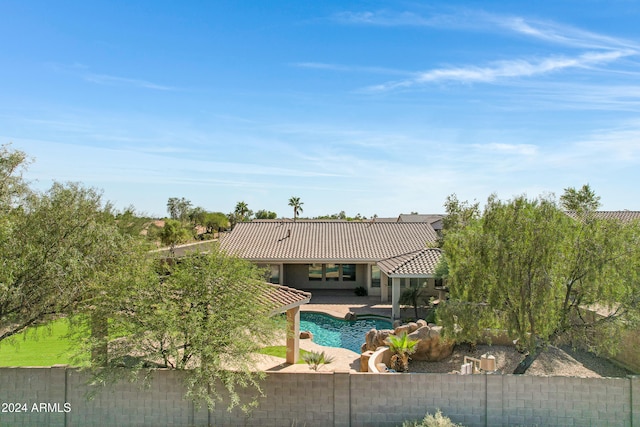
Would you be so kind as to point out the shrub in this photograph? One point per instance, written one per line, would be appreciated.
(315, 359)
(361, 291)
(401, 347)
(437, 420)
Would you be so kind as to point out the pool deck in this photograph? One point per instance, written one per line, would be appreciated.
(337, 304)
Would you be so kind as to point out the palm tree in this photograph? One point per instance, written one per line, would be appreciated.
(242, 210)
(297, 206)
(401, 347)
(414, 295)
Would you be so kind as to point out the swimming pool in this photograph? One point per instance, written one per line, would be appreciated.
(332, 332)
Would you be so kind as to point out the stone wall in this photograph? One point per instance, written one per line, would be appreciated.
(324, 399)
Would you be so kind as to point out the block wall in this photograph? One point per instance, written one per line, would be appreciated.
(323, 399)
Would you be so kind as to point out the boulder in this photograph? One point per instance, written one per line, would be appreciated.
(350, 316)
(431, 346)
(306, 335)
(402, 330)
(374, 339)
(413, 326)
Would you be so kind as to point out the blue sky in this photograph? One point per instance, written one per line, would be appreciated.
(367, 107)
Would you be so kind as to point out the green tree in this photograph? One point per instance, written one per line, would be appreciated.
(179, 209)
(207, 317)
(198, 216)
(131, 223)
(580, 201)
(241, 213)
(526, 267)
(264, 214)
(56, 247)
(297, 206)
(216, 221)
(173, 233)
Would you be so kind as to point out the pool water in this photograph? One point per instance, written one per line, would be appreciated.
(332, 332)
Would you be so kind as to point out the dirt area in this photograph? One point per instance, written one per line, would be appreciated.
(554, 362)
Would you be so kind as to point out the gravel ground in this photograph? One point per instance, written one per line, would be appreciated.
(553, 362)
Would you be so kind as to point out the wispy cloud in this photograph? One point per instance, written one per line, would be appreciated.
(560, 34)
(104, 79)
(83, 71)
(505, 69)
(483, 21)
(600, 49)
(500, 148)
(383, 18)
(350, 68)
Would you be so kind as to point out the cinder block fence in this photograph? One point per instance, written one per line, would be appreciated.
(57, 396)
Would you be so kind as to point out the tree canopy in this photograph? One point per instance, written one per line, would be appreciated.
(525, 266)
(54, 247)
(208, 316)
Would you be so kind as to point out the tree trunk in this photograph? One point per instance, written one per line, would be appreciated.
(527, 362)
(99, 334)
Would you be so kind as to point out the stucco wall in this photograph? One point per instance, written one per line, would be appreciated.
(325, 399)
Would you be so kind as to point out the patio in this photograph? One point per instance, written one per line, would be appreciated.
(340, 302)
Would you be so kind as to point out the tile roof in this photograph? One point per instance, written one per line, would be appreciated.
(416, 263)
(315, 241)
(624, 216)
(430, 218)
(284, 298)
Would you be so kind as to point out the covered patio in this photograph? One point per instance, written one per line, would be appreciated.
(288, 300)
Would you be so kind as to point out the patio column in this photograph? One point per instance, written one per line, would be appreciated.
(367, 276)
(395, 298)
(384, 287)
(293, 334)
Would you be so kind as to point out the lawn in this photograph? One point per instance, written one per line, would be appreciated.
(49, 345)
(281, 351)
(44, 346)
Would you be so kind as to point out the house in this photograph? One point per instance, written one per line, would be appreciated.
(623, 216)
(381, 257)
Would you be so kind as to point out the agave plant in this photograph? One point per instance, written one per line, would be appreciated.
(401, 347)
(315, 359)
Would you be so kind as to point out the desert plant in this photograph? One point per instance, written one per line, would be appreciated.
(401, 347)
(437, 420)
(314, 359)
(415, 296)
(361, 291)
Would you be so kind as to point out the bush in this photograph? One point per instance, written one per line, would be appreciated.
(437, 420)
(315, 359)
(361, 291)
(431, 315)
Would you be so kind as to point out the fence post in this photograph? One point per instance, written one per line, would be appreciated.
(341, 399)
(634, 397)
(494, 414)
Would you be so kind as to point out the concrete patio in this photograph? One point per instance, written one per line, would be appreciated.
(340, 302)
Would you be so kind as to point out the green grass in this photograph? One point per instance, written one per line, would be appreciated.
(281, 351)
(50, 345)
(43, 346)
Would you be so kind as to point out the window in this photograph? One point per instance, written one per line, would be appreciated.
(349, 272)
(275, 274)
(375, 276)
(315, 271)
(332, 272)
